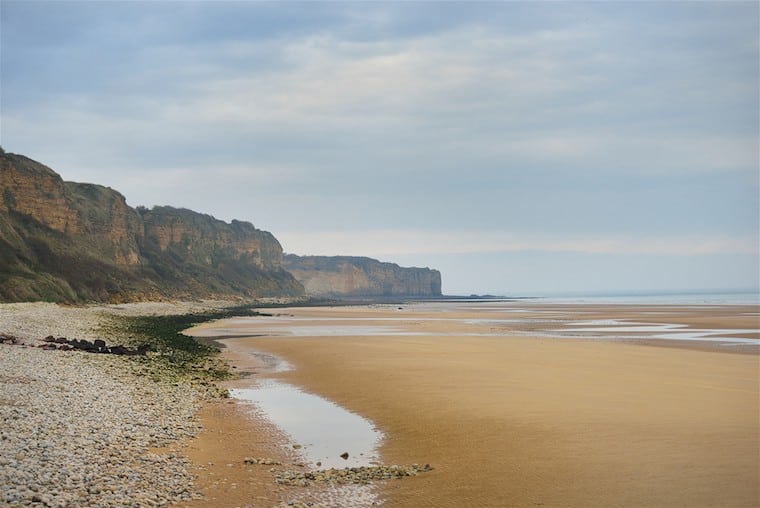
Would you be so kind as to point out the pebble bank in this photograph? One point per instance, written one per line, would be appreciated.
(79, 429)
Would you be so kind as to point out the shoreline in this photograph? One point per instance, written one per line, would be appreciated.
(548, 428)
(235, 431)
(208, 432)
(86, 429)
(115, 412)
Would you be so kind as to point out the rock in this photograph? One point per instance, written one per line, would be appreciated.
(265, 462)
(47, 449)
(355, 475)
(119, 350)
(83, 345)
(344, 455)
(61, 340)
(297, 446)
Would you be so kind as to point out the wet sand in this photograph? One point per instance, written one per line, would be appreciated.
(511, 419)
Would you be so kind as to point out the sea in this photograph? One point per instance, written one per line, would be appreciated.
(747, 297)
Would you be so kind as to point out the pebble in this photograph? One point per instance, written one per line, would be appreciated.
(263, 461)
(353, 475)
(76, 428)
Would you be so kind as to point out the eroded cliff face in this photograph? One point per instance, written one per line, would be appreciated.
(206, 240)
(360, 276)
(35, 190)
(93, 212)
(106, 221)
(74, 242)
(66, 241)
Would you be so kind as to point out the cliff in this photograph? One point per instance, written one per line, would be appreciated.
(73, 242)
(361, 276)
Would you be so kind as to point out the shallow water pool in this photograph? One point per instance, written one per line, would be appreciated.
(323, 429)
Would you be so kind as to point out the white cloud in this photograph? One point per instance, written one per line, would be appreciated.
(407, 242)
(548, 97)
(516, 99)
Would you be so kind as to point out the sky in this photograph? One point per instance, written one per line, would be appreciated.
(518, 147)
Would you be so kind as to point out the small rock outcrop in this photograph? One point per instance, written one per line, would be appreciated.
(348, 476)
(346, 276)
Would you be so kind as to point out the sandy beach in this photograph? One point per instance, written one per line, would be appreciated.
(513, 404)
(511, 409)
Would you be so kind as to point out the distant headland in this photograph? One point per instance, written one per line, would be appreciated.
(80, 242)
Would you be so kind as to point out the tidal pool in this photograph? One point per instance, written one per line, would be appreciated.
(323, 429)
(616, 329)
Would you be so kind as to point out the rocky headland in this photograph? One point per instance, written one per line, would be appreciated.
(342, 276)
(79, 242)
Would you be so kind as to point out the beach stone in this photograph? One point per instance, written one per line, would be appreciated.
(355, 475)
(46, 447)
(344, 455)
(118, 350)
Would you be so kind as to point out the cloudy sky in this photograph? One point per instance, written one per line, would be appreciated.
(520, 148)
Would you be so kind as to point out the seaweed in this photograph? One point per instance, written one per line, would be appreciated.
(175, 356)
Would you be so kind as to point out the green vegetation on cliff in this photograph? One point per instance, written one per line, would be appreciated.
(74, 243)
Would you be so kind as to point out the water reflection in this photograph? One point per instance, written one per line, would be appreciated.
(323, 429)
(621, 329)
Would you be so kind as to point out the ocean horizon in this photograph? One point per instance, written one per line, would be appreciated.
(653, 297)
(675, 297)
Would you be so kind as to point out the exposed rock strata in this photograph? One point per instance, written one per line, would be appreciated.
(69, 242)
(207, 240)
(361, 276)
